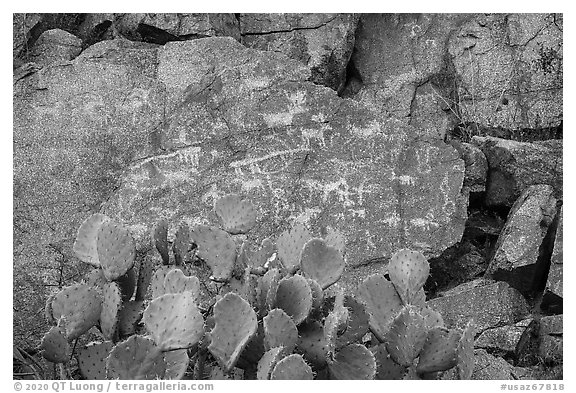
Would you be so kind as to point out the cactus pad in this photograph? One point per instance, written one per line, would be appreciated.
(406, 336)
(236, 215)
(408, 272)
(136, 358)
(313, 344)
(294, 296)
(317, 293)
(111, 304)
(268, 361)
(176, 363)
(292, 367)
(465, 353)
(129, 316)
(266, 291)
(279, 331)
(96, 279)
(127, 284)
(177, 282)
(290, 244)
(157, 282)
(321, 262)
(217, 249)
(80, 305)
(358, 323)
(236, 324)
(48, 313)
(145, 274)
(92, 360)
(173, 321)
(54, 346)
(381, 301)
(387, 369)
(116, 250)
(181, 244)
(432, 318)
(354, 361)
(335, 321)
(439, 351)
(85, 244)
(160, 240)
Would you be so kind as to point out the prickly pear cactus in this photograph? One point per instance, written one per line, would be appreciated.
(160, 240)
(235, 214)
(387, 368)
(292, 367)
(127, 284)
(317, 293)
(290, 244)
(279, 331)
(85, 244)
(354, 361)
(335, 322)
(236, 324)
(406, 336)
(145, 274)
(176, 364)
(129, 316)
(116, 250)
(439, 351)
(313, 344)
(54, 346)
(465, 353)
(321, 262)
(80, 306)
(217, 249)
(268, 361)
(181, 244)
(294, 296)
(357, 323)
(136, 358)
(158, 278)
(111, 304)
(382, 303)
(408, 271)
(177, 282)
(173, 321)
(266, 291)
(92, 359)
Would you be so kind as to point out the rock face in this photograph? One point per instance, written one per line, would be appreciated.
(554, 286)
(502, 339)
(476, 166)
(246, 122)
(161, 28)
(513, 166)
(509, 69)
(76, 127)
(400, 63)
(323, 42)
(518, 257)
(542, 342)
(55, 45)
(488, 306)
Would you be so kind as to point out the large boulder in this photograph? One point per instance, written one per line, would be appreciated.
(248, 122)
(401, 62)
(513, 166)
(554, 292)
(160, 28)
(323, 42)
(509, 69)
(77, 126)
(487, 305)
(520, 255)
(55, 46)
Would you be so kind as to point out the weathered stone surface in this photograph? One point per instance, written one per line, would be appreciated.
(246, 122)
(554, 285)
(76, 127)
(181, 25)
(55, 45)
(21, 26)
(542, 342)
(502, 339)
(488, 306)
(323, 42)
(400, 60)
(475, 163)
(517, 257)
(490, 367)
(509, 69)
(514, 166)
